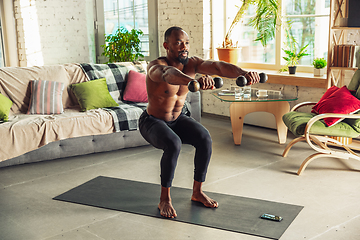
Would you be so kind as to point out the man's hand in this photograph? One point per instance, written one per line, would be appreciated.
(252, 77)
(207, 82)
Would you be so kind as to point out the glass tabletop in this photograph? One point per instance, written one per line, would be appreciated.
(272, 96)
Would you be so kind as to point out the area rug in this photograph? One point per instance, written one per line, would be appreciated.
(237, 214)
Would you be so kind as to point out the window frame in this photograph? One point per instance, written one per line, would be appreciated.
(9, 37)
(279, 38)
(99, 25)
(2, 55)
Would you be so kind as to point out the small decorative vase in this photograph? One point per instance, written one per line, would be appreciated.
(292, 69)
(319, 72)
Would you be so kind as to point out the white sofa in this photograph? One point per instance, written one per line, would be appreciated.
(29, 138)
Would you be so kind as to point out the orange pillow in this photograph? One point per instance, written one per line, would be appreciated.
(135, 90)
(336, 100)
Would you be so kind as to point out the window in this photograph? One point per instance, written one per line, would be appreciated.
(139, 14)
(2, 61)
(129, 14)
(310, 25)
(251, 51)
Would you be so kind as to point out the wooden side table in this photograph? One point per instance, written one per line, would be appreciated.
(274, 103)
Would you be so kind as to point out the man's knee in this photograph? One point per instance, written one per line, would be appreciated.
(173, 144)
(205, 138)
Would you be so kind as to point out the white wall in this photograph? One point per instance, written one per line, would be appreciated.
(187, 14)
(54, 31)
(61, 31)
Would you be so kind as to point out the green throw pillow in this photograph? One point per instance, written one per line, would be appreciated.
(5, 105)
(355, 83)
(93, 94)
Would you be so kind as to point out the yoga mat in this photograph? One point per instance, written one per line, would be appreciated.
(237, 214)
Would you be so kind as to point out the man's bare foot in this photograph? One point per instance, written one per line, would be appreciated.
(199, 196)
(204, 199)
(165, 206)
(166, 209)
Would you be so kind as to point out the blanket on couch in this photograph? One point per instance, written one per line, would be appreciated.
(27, 132)
(127, 114)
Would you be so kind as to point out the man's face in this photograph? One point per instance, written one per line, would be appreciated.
(178, 46)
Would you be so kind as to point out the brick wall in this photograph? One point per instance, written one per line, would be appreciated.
(54, 32)
(187, 14)
(61, 31)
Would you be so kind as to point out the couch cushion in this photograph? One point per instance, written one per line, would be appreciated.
(125, 116)
(24, 132)
(93, 94)
(5, 105)
(46, 97)
(115, 74)
(15, 83)
(296, 123)
(135, 90)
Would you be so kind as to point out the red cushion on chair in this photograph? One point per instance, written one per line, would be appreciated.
(329, 92)
(135, 90)
(337, 100)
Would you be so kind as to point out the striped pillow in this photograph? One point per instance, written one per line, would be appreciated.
(46, 97)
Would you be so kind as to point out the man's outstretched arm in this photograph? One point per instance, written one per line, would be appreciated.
(224, 69)
(169, 74)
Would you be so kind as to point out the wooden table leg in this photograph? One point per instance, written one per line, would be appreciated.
(279, 109)
(237, 121)
(238, 111)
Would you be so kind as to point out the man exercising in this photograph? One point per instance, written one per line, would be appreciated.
(164, 125)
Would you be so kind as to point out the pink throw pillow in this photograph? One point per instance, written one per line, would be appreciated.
(135, 90)
(338, 100)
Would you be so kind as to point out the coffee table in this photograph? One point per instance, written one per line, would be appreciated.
(275, 103)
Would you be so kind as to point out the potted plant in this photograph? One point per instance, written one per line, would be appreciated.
(293, 55)
(123, 46)
(319, 66)
(265, 22)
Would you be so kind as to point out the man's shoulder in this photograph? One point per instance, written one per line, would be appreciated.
(158, 61)
(195, 60)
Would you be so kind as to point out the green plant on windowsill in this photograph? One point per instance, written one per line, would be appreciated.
(319, 65)
(123, 46)
(293, 55)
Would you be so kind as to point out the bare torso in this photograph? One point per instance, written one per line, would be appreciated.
(166, 100)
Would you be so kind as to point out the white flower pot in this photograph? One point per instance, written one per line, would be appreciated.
(319, 72)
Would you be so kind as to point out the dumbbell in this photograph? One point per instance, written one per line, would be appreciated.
(194, 85)
(242, 81)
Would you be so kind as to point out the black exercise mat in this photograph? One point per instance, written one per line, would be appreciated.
(237, 214)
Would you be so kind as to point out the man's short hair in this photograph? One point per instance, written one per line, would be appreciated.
(169, 31)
